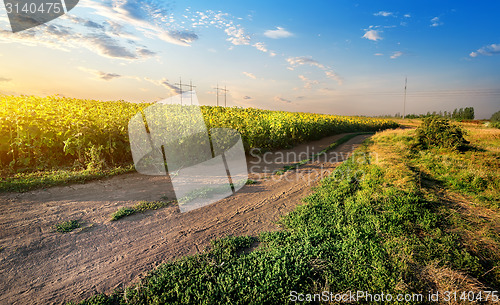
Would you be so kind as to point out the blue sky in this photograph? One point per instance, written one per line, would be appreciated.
(341, 57)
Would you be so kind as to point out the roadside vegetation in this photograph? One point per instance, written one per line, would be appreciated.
(393, 218)
(495, 120)
(45, 141)
(67, 226)
(141, 207)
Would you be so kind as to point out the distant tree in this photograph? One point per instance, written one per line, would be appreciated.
(468, 113)
(495, 117)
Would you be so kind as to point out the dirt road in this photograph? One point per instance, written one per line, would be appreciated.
(40, 266)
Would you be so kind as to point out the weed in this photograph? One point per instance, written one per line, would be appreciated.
(141, 207)
(67, 226)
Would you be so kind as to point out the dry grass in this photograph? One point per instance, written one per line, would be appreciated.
(445, 279)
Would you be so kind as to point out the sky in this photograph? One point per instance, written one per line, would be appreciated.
(337, 57)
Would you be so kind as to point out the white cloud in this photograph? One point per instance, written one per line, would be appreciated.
(308, 83)
(278, 33)
(407, 16)
(435, 22)
(148, 17)
(303, 60)
(281, 100)
(261, 47)
(250, 75)
(384, 14)
(489, 50)
(372, 35)
(378, 54)
(396, 54)
(237, 36)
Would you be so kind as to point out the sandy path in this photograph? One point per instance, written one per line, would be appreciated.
(39, 266)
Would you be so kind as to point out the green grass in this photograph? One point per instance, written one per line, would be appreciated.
(67, 226)
(141, 207)
(382, 231)
(23, 182)
(324, 151)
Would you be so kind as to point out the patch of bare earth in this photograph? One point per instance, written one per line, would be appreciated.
(40, 266)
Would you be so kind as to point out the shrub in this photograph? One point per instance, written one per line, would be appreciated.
(439, 132)
(67, 226)
(495, 117)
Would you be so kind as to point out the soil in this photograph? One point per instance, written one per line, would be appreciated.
(42, 266)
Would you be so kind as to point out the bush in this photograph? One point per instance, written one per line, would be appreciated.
(439, 132)
(67, 226)
(495, 118)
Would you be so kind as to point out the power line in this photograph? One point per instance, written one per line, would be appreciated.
(225, 94)
(191, 86)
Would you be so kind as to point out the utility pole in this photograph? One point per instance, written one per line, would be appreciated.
(404, 102)
(225, 94)
(191, 86)
(191, 89)
(180, 87)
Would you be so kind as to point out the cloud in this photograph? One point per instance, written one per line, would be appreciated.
(145, 52)
(261, 47)
(182, 38)
(384, 14)
(246, 97)
(372, 34)
(97, 39)
(378, 54)
(3, 79)
(407, 16)
(334, 76)
(100, 74)
(489, 50)
(281, 100)
(278, 33)
(109, 47)
(148, 16)
(308, 83)
(303, 60)
(92, 24)
(165, 83)
(250, 75)
(237, 36)
(435, 22)
(396, 54)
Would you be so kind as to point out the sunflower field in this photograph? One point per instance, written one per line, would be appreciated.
(42, 133)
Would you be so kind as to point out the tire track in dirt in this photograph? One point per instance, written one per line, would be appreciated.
(39, 266)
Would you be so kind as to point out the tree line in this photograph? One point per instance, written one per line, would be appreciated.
(466, 113)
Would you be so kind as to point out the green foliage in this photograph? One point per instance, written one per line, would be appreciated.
(495, 117)
(41, 133)
(457, 114)
(141, 207)
(22, 182)
(439, 132)
(67, 226)
(358, 232)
